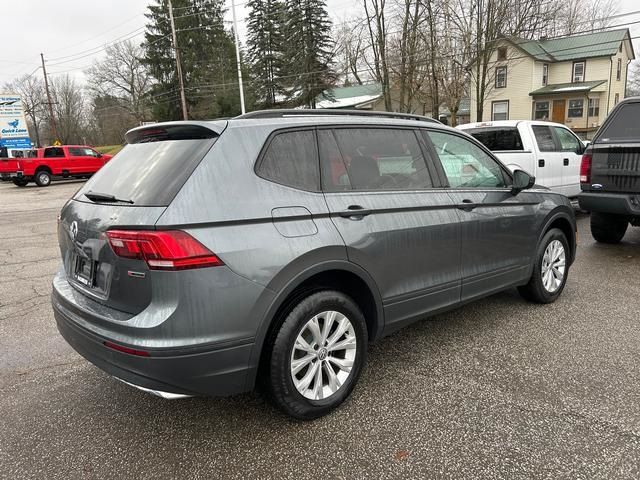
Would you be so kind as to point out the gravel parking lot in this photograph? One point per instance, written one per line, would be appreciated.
(498, 389)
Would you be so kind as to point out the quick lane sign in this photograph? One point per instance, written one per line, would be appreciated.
(13, 126)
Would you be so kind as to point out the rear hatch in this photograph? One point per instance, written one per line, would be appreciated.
(615, 151)
(129, 193)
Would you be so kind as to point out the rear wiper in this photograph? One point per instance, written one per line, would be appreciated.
(105, 197)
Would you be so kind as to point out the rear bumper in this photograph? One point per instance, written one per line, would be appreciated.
(614, 203)
(208, 372)
(193, 369)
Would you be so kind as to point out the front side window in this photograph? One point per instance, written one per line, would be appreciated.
(500, 111)
(542, 111)
(576, 108)
(594, 107)
(372, 159)
(501, 77)
(545, 74)
(465, 164)
(291, 159)
(568, 141)
(578, 72)
(544, 138)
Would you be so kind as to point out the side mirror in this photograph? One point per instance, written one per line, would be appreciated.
(521, 181)
(581, 148)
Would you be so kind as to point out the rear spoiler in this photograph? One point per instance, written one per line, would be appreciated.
(175, 131)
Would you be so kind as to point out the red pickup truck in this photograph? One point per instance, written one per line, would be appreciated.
(67, 161)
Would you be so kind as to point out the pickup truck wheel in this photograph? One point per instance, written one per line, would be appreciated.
(608, 228)
(550, 270)
(20, 182)
(317, 355)
(43, 178)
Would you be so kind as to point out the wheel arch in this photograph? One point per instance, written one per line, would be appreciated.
(564, 221)
(340, 275)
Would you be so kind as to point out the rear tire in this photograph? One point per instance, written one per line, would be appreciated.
(607, 228)
(20, 182)
(43, 178)
(550, 270)
(318, 355)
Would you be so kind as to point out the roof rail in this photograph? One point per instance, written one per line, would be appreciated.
(324, 112)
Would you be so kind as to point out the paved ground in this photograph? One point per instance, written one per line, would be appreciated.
(498, 389)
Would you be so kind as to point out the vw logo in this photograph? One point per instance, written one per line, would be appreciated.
(322, 354)
(73, 230)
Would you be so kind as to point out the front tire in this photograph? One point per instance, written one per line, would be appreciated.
(608, 228)
(43, 178)
(550, 270)
(318, 355)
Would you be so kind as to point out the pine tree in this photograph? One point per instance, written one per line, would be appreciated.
(207, 55)
(265, 45)
(309, 51)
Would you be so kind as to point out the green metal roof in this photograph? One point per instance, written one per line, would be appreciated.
(560, 88)
(356, 91)
(576, 47)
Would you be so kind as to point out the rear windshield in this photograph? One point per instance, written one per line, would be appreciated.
(148, 174)
(497, 139)
(623, 126)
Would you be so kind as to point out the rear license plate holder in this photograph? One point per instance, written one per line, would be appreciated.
(85, 271)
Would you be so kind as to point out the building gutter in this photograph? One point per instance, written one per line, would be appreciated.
(609, 84)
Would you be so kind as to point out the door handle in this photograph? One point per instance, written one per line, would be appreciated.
(354, 212)
(541, 162)
(565, 161)
(467, 205)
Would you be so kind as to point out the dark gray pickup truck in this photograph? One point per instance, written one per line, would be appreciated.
(610, 174)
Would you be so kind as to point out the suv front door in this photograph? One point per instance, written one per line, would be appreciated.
(380, 191)
(498, 229)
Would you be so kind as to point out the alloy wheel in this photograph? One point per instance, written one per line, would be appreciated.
(323, 355)
(553, 266)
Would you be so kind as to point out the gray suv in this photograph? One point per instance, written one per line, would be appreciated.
(273, 248)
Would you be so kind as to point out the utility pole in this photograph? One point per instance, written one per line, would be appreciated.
(49, 102)
(183, 99)
(235, 34)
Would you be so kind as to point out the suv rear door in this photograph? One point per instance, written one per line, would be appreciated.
(497, 228)
(379, 187)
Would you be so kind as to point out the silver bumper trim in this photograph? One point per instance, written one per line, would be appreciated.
(157, 393)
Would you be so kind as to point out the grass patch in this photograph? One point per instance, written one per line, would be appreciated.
(109, 149)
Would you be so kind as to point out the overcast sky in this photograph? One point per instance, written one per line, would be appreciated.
(71, 32)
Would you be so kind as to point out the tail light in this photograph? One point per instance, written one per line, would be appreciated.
(162, 250)
(585, 168)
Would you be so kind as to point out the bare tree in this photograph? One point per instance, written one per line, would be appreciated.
(377, 28)
(31, 90)
(350, 49)
(69, 107)
(576, 16)
(123, 76)
(633, 80)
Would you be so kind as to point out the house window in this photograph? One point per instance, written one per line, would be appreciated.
(619, 69)
(576, 107)
(617, 99)
(594, 107)
(578, 72)
(500, 110)
(542, 111)
(620, 48)
(501, 77)
(502, 54)
(545, 74)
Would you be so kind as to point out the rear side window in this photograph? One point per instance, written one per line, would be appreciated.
(151, 171)
(372, 159)
(544, 138)
(53, 152)
(291, 159)
(623, 126)
(497, 139)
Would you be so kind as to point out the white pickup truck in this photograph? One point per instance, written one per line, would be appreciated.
(549, 151)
